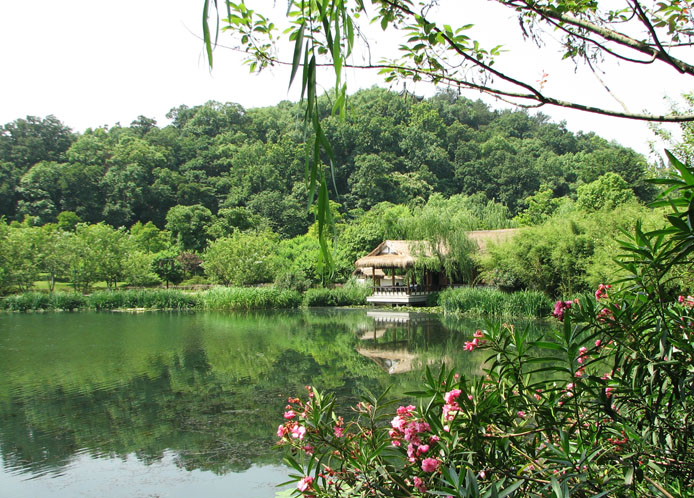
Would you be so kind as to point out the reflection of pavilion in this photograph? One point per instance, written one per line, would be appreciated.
(388, 342)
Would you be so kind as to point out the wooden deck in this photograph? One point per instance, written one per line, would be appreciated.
(399, 295)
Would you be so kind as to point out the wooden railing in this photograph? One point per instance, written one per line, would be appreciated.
(409, 290)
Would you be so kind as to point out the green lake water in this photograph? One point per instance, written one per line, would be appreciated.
(187, 404)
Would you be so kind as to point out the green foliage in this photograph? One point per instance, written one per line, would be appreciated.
(188, 226)
(539, 207)
(607, 192)
(159, 299)
(249, 298)
(40, 301)
(292, 279)
(242, 259)
(473, 301)
(68, 220)
(347, 295)
(571, 252)
(167, 268)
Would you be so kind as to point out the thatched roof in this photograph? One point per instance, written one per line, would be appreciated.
(394, 254)
(399, 253)
(368, 271)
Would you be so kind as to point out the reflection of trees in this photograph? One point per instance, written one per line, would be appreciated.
(208, 387)
(214, 398)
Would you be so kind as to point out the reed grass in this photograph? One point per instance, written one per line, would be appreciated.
(493, 302)
(249, 298)
(160, 299)
(348, 295)
(42, 301)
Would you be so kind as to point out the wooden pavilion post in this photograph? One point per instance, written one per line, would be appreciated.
(373, 277)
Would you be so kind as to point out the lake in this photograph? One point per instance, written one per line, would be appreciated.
(187, 404)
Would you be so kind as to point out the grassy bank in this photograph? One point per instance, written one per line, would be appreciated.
(473, 301)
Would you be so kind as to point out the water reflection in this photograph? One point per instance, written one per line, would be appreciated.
(194, 392)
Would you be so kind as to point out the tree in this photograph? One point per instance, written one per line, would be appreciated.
(242, 259)
(607, 192)
(188, 226)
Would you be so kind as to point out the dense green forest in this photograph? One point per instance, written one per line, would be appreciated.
(142, 204)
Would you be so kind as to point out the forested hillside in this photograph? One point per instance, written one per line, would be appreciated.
(249, 164)
(221, 191)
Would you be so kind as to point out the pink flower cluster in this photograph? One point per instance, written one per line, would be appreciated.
(293, 429)
(406, 427)
(451, 408)
(605, 315)
(686, 301)
(559, 308)
(602, 292)
(305, 484)
(478, 340)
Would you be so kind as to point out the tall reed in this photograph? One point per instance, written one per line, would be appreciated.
(493, 302)
(42, 301)
(161, 299)
(347, 295)
(249, 298)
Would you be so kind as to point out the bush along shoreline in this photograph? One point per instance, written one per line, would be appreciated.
(460, 301)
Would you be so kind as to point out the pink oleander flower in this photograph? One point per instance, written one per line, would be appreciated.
(521, 414)
(308, 449)
(597, 343)
(281, 431)
(608, 391)
(601, 292)
(422, 449)
(430, 464)
(433, 439)
(419, 484)
(398, 423)
(298, 431)
(290, 414)
(469, 346)
(605, 315)
(559, 308)
(452, 395)
(478, 334)
(305, 484)
(406, 410)
(339, 431)
(469, 396)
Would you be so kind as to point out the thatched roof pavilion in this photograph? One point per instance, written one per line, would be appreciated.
(394, 256)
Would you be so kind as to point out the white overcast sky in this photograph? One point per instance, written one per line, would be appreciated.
(92, 63)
